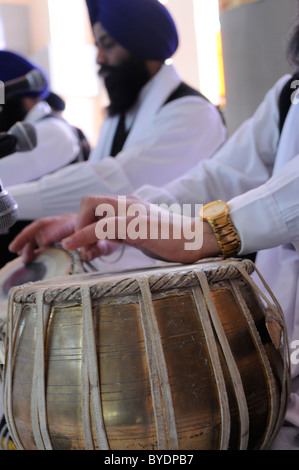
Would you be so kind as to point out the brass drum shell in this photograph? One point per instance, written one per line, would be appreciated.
(184, 360)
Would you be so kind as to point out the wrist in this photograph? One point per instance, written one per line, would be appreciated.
(209, 246)
(210, 243)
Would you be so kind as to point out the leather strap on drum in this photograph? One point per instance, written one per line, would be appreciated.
(276, 309)
(164, 413)
(212, 347)
(158, 370)
(90, 377)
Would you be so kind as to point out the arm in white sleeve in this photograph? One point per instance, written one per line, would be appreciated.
(58, 193)
(173, 144)
(184, 132)
(268, 216)
(244, 162)
(57, 146)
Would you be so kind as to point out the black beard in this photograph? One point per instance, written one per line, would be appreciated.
(12, 111)
(124, 83)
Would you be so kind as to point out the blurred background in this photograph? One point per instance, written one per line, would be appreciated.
(232, 50)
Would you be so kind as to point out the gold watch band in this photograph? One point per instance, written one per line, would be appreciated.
(226, 236)
(217, 215)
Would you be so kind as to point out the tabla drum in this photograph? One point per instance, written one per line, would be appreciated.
(173, 358)
(50, 263)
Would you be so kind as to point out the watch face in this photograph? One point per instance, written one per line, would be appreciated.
(214, 208)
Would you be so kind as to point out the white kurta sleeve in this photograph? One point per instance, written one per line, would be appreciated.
(268, 216)
(57, 147)
(183, 132)
(180, 134)
(244, 162)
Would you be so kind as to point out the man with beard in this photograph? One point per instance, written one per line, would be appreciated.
(256, 175)
(157, 126)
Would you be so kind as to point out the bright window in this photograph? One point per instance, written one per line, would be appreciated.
(73, 63)
(209, 45)
(2, 37)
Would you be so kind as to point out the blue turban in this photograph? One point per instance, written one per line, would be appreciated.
(14, 66)
(143, 27)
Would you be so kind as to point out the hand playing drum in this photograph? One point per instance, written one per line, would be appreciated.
(42, 233)
(101, 225)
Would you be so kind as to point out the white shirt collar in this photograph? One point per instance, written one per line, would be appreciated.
(130, 115)
(38, 111)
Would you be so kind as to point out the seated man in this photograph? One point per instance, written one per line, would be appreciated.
(57, 146)
(157, 127)
(256, 174)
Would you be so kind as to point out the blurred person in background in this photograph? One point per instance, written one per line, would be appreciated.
(157, 126)
(58, 144)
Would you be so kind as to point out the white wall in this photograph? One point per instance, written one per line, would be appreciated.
(254, 38)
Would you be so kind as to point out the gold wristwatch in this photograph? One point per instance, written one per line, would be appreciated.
(217, 214)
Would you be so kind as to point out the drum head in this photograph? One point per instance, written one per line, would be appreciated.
(49, 264)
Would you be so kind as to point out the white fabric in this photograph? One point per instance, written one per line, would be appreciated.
(57, 147)
(258, 174)
(164, 142)
(1, 400)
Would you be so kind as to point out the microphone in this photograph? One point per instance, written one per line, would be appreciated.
(20, 138)
(26, 136)
(8, 210)
(32, 81)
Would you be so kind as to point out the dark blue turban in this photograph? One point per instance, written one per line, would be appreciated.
(143, 27)
(14, 66)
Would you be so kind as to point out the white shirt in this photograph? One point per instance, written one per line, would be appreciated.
(164, 142)
(257, 172)
(57, 146)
